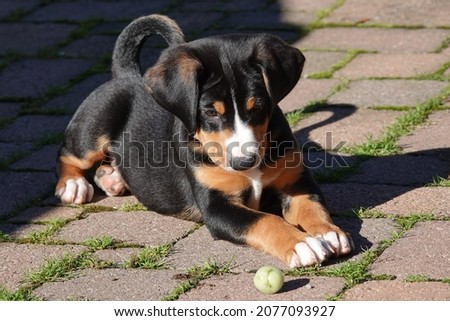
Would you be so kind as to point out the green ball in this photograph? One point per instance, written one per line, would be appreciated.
(268, 279)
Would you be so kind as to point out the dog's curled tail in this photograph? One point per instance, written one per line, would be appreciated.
(125, 59)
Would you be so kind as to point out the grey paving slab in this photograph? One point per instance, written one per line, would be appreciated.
(19, 259)
(46, 213)
(398, 65)
(20, 188)
(32, 77)
(301, 5)
(79, 11)
(388, 92)
(43, 159)
(434, 200)
(401, 170)
(431, 138)
(115, 202)
(319, 61)
(111, 285)
(20, 231)
(70, 101)
(9, 110)
(199, 248)
(421, 250)
(195, 22)
(32, 127)
(308, 91)
(92, 46)
(240, 287)
(9, 151)
(217, 5)
(336, 126)
(405, 13)
(145, 228)
(265, 21)
(374, 39)
(398, 291)
(28, 39)
(117, 256)
(344, 197)
(10, 7)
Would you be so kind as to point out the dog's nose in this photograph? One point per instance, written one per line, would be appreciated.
(244, 162)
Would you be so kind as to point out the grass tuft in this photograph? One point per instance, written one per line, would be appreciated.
(150, 258)
(24, 294)
(439, 182)
(100, 243)
(196, 274)
(294, 117)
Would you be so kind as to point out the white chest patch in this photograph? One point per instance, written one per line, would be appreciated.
(257, 188)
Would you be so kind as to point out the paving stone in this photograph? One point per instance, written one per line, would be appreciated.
(43, 159)
(265, 21)
(344, 197)
(392, 65)
(194, 22)
(388, 92)
(111, 285)
(20, 188)
(435, 200)
(11, 6)
(366, 234)
(421, 250)
(19, 259)
(240, 287)
(29, 38)
(319, 61)
(431, 138)
(302, 5)
(9, 151)
(321, 162)
(115, 201)
(92, 46)
(199, 248)
(31, 127)
(88, 10)
(70, 101)
(396, 12)
(336, 126)
(374, 39)
(401, 170)
(46, 213)
(117, 256)
(9, 110)
(146, 228)
(20, 230)
(308, 91)
(218, 5)
(43, 73)
(398, 291)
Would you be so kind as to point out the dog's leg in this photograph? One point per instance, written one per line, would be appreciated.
(72, 186)
(304, 208)
(109, 179)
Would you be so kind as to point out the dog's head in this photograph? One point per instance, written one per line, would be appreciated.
(224, 90)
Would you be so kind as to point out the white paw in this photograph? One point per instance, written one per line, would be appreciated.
(76, 191)
(340, 243)
(312, 251)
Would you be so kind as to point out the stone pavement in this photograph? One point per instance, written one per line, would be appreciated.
(372, 113)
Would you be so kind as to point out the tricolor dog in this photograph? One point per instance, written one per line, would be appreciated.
(200, 136)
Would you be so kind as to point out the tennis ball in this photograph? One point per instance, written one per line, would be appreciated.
(268, 279)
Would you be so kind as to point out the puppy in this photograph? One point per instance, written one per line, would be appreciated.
(201, 137)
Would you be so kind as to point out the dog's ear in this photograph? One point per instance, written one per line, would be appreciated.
(281, 64)
(174, 83)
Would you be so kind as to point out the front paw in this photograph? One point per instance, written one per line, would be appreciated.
(310, 252)
(75, 191)
(340, 242)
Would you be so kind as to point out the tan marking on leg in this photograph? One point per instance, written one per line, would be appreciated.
(275, 236)
(284, 171)
(230, 183)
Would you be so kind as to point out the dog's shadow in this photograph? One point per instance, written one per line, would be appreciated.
(364, 182)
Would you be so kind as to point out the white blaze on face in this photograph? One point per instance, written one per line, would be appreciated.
(242, 142)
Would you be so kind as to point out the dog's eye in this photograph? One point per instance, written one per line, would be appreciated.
(211, 113)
